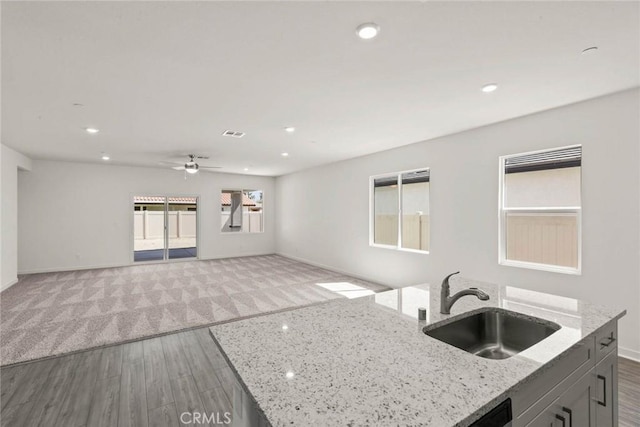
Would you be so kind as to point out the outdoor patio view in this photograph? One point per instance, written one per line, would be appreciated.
(164, 227)
(241, 211)
(542, 207)
(401, 212)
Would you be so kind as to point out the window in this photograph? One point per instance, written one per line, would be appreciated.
(241, 211)
(540, 210)
(400, 210)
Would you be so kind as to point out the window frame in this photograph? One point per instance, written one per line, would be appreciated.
(167, 196)
(503, 212)
(372, 213)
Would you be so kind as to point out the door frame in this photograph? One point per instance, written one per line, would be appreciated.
(165, 253)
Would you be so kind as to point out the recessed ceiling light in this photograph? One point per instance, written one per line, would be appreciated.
(284, 154)
(290, 129)
(246, 169)
(105, 157)
(289, 374)
(368, 30)
(92, 130)
(489, 87)
(589, 50)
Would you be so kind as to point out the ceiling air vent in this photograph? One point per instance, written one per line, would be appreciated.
(233, 133)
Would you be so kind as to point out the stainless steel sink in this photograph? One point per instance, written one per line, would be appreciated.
(493, 333)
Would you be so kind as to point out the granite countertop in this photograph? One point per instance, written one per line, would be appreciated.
(366, 361)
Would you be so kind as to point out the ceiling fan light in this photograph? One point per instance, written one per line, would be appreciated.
(191, 167)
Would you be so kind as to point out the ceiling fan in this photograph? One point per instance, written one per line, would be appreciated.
(191, 166)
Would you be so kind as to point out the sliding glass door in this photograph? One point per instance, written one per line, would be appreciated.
(182, 220)
(164, 227)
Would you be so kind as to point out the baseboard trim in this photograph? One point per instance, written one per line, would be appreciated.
(337, 270)
(93, 267)
(63, 269)
(9, 284)
(242, 255)
(629, 354)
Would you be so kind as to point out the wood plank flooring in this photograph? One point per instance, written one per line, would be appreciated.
(628, 392)
(138, 384)
(151, 382)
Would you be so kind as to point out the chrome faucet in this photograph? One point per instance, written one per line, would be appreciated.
(446, 301)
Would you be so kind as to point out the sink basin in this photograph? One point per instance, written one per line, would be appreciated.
(493, 333)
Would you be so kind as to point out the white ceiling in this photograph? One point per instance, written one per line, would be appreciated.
(161, 79)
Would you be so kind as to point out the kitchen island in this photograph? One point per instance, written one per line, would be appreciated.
(367, 361)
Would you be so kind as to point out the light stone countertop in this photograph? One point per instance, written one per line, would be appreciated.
(366, 361)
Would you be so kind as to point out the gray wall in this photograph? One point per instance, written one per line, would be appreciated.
(323, 213)
(79, 215)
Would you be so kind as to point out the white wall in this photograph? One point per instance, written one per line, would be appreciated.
(12, 162)
(2, 285)
(57, 234)
(322, 213)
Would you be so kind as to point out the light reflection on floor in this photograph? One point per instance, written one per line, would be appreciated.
(346, 289)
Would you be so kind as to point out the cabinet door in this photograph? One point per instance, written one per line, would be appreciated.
(606, 395)
(574, 408)
(546, 418)
(577, 405)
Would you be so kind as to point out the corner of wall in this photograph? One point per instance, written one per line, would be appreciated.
(627, 353)
(1, 287)
(16, 158)
(11, 161)
(337, 270)
(9, 284)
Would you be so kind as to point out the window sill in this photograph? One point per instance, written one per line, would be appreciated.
(542, 267)
(242, 233)
(395, 248)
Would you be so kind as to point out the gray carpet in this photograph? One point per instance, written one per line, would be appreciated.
(55, 313)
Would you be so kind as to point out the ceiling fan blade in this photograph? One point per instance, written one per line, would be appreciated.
(202, 157)
(178, 168)
(210, 167)
(170, 163)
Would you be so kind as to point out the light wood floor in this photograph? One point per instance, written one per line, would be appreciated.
(151, 382)
(628, 392)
